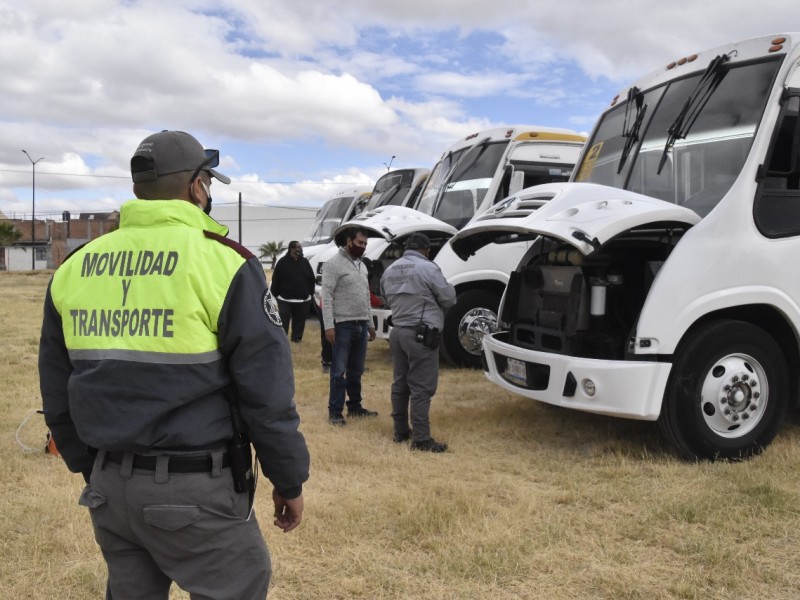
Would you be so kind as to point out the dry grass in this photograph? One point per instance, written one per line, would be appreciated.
(531, 501)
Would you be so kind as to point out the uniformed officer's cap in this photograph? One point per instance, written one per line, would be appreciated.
(172, 152)
(417, 241)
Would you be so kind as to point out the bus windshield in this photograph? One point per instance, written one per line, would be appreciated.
(328, 218)
(391, 189)
(698, 169)
(436, 181)
(460, 192)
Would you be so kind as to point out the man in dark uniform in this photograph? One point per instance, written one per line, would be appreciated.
(417, 293)
(156, 339)
(293, 288)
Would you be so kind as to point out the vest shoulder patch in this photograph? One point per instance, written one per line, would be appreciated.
(243, 252)
(271, 308)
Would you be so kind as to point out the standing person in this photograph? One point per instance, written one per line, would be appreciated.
(293, 288)
(155, 337)
(348, 326)
(417, 294)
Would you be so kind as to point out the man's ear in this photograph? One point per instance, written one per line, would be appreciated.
(196, 192)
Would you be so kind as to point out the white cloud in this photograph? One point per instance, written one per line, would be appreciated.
(470, 84)
(83, 82)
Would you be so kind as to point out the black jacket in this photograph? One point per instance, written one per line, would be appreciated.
(292, 279)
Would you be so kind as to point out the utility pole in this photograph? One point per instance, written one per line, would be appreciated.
(33, 210)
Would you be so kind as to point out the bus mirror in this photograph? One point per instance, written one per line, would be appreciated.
(517, 181)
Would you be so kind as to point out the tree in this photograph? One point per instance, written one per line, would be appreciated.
(272, 249)
(8, 233)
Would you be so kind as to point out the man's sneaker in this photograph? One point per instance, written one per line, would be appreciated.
(337, 420)
(361, 412)
(429, 445)
(402, 437)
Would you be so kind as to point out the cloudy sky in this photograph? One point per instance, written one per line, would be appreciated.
(305, 98)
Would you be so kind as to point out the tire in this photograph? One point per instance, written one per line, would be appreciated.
(727, 394)
(473, 314)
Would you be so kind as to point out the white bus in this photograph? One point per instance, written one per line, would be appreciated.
(343, 206)
(472, 175)
(658, 284)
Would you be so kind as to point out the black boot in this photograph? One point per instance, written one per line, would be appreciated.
(361, 412)
(429, 445)
(336, 419)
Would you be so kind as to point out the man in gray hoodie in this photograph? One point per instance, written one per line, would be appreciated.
(348, 325)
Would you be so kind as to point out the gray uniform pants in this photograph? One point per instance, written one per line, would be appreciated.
(416, 375)
(155, 527)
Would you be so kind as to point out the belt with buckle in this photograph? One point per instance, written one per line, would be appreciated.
(177, 463)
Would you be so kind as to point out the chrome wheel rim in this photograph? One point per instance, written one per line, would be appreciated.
(734, 396)
(473, 326)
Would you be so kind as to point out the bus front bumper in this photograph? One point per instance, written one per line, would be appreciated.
(620, 388)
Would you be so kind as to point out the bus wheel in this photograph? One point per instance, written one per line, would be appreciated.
(727, 394)
(465, 323)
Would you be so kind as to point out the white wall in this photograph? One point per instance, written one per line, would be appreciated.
(19, 259)
(264, 224)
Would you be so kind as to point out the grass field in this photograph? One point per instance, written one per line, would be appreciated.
(530, 502)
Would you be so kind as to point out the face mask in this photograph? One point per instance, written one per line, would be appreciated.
(357, 251)
(207, 209)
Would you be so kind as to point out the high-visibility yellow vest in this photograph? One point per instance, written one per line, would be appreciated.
(150, 291)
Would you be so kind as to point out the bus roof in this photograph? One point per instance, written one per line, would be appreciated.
(532, 133)
(745, 50)
(354, 191)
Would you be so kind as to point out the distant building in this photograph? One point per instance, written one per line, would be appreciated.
(54, 240)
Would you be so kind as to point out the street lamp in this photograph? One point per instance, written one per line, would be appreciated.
(33, 210)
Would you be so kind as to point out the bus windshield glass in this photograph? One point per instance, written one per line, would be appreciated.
(436, 180)
(467, 184)
(698, 169)
(328, 218)
(391, 189)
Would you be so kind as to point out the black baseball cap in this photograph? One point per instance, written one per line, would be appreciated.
(172, 152)
(418, 241)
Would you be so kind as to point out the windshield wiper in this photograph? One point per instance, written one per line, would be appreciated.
(631, 133)
(457, 164)
(695, 103)
(389, 194)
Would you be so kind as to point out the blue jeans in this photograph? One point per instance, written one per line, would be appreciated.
(349, 353)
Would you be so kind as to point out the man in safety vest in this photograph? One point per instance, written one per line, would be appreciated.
(162, 358)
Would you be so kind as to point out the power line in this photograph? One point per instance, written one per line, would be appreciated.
(43, 215)
(237, 181)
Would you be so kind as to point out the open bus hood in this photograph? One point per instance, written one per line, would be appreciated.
(390, 222)
(582, 214)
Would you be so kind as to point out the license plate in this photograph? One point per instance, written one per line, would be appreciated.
(515, 369)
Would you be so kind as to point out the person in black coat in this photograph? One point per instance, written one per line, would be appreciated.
(293, 287)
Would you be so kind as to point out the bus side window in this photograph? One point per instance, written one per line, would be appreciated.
(777, 202)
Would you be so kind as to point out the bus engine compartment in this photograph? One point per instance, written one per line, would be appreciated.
(560, 301)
